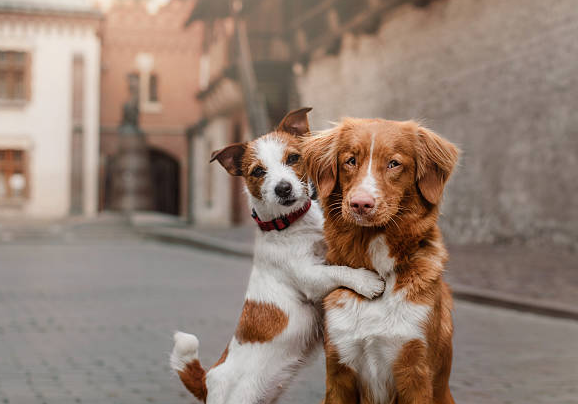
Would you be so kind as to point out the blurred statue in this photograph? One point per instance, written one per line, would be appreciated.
(131, 179)
(130, 110)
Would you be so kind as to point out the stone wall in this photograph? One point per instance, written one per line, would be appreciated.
(500, 79)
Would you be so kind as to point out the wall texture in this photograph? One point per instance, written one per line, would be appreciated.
(500, 79)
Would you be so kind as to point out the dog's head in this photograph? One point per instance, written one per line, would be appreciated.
(272, 166)
(372, 171)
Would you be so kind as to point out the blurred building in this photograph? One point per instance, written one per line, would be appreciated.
(152, 45)
(499, 78)
(49, 89)
(245, 73)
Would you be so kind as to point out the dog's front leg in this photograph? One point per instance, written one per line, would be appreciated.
(412, 375)
(317, 281)
(341, 385)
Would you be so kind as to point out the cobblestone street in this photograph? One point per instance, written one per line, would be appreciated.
(87, 314)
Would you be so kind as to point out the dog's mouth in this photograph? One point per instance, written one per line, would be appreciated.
(360, 220)
(288, 201)
(373, 219)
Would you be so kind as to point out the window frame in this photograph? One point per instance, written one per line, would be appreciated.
(10, 166)
(11, 68)
(153, 88)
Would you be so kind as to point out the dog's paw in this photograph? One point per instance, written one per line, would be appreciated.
(185, 350)
(368, 284)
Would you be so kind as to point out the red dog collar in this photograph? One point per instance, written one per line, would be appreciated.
(282, 222)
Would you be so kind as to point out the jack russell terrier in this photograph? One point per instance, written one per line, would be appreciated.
(280, 324)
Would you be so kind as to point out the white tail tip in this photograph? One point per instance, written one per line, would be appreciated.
(185, 350)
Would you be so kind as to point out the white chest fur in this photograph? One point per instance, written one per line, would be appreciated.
(369, 334)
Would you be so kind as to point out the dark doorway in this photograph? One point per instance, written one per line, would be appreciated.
(165, 173)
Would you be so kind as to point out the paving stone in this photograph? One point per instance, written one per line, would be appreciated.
(90, 321)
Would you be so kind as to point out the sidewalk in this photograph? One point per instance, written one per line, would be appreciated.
(539, 280)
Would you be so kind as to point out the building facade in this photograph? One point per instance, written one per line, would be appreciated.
(153, 46)
(497, 78)
(49, 109)
(245, 87)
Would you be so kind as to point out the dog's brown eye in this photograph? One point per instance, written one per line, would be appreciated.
(258, 172)
(393, 164)
(292, 159)
(351, 161)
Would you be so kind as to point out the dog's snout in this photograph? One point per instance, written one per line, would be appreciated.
(362, 203)
(283, 189)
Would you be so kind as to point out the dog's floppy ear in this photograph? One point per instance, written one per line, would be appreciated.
(436, 158)
(320, 156)
(231, 157)
(295, 122)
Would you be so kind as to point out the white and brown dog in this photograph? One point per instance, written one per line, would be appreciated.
(280, 321)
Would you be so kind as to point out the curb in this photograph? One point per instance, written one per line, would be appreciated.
(188, 238)
(518, 303)
(460, 292)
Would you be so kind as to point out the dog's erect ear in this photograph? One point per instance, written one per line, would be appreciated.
(320, 156)
(436, 158)
(295, 122)
(231, 157)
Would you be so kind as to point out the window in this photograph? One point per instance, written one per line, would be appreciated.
(148, 91)
(14, 75)
(153, 90)
(13, 175)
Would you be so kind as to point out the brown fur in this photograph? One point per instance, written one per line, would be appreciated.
(223, 357)
(407, 217)
(341, 381)
(260, 322)
(193, 377)
(412, 374)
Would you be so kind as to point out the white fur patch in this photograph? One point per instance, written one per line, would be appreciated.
(185, 351)
(379, 254)
(270, 152)
(369, 184)
(369, 334)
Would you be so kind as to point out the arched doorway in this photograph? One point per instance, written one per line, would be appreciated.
(165, 175)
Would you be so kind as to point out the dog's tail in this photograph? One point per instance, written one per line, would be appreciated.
(185, 361)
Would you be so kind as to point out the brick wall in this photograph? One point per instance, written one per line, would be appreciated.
(500, 79)
(130, 32)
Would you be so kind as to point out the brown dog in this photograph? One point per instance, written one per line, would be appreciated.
(380, 184)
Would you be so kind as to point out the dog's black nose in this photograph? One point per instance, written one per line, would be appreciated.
(283, 189)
